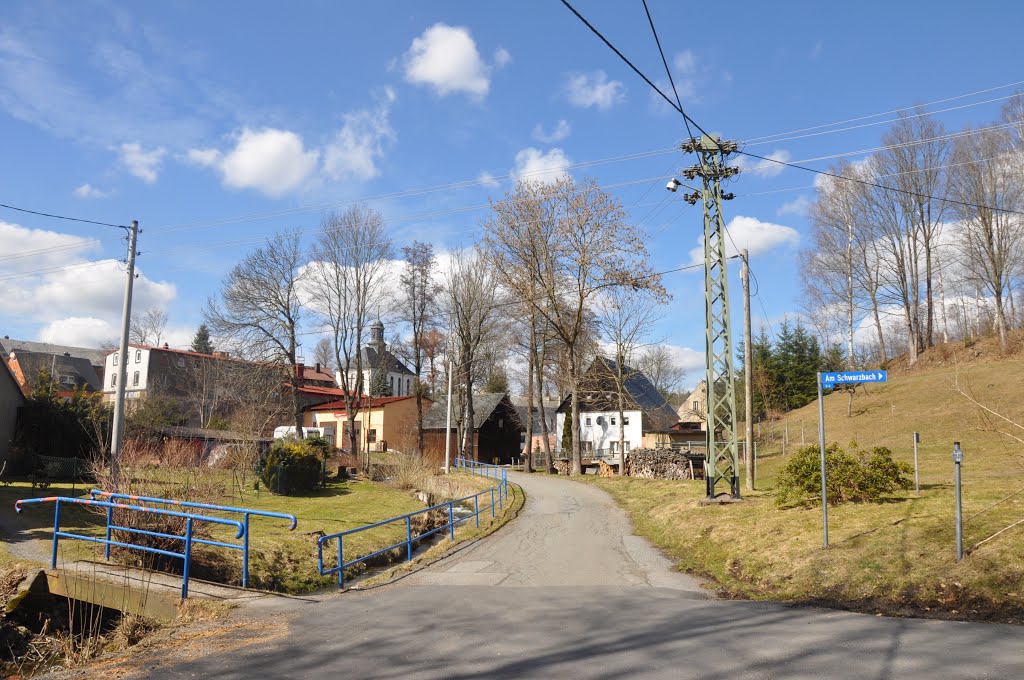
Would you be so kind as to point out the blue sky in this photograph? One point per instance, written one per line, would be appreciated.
(191, 116)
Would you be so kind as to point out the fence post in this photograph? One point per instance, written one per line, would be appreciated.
(408, 538)
(451, 520)
(341, 561)
(917, 476)
(476, 509)
(958, 457)
(188, 558)
(492, 504)
(110, 520)
(245, 552)
(501, 502)
(56, 528)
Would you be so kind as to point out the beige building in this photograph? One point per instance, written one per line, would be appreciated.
(695, 410)
(381, 423)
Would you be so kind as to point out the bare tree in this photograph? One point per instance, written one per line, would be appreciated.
(660, 366)
(987, 184)
(417, 282)
(323, 354)
(624, 316)
(347, 278)
(149, 327)
(471, 294)
(260, 311)
(583, 244)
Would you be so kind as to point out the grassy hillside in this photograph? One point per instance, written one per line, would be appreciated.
(896, 556)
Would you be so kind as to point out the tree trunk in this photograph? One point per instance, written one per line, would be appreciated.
(546, 443)
(419, 412)
(1000, 319)
(528, 448)
(470, 430)
(577, 449)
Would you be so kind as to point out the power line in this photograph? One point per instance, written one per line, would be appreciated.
(877, 185)
(664, 61)
(890, 112)
(63, 217)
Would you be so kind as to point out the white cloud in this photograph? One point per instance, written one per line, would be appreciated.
(41, 248)
(269, 160)
(65, 286)
(534, 165)
(798, 206)
(502, 57)
(594, 89)
(561, 131)
(685, 62)
(816, 51)
(360, 143)
(143, 164)
(766, 168)
(446, 58)
(79, 331)
(756, 236)
(488, 180)
(690, 360)
(89, 191)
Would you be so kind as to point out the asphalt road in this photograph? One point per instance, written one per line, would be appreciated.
(566, 591)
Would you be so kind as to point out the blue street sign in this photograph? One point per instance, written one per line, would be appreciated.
(833, 379)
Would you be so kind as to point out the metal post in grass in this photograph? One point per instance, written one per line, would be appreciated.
(821, 445)
(958, 458)
(917, 476)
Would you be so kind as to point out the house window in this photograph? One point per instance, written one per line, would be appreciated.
(113, 379)
(135, 379)
(115, 360)
(371, 436)
(696, 407)
(588, 421)
(181, 362)
(625, 420)
(391, 384)
(600, 420)
(625, 446)
(613, 420)
(613, 447)
(408, 387)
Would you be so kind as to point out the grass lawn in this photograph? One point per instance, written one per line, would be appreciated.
(896, 556)
(280, 560)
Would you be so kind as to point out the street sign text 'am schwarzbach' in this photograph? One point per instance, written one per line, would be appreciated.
(846, 377)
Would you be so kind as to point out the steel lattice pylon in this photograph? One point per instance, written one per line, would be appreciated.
(722, 462)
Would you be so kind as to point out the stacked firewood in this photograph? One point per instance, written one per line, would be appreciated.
(663, 464)
(563, 467)
(605, 470)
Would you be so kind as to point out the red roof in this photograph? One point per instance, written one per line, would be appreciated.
(315, 389)
(366, 402)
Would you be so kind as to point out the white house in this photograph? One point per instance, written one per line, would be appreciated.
(647, 419)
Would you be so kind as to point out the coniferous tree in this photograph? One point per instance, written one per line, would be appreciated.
(201, 342)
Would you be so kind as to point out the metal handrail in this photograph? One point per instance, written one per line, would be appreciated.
(341, 564)
(185, 555)
(245, 512)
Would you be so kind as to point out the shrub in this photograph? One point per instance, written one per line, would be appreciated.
(291, 466)
(862, 476)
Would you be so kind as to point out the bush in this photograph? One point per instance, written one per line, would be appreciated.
(291, 466)
(859, 477)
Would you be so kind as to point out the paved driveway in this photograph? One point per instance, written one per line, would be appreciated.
(566, 591)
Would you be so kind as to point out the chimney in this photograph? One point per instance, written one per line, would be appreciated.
(166, 346)
(318, 367)
(221, 355)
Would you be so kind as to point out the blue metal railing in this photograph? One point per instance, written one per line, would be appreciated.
(482, 469)
(245, 512)
(185, 555)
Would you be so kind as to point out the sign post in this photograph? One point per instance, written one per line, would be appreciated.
(828, 381)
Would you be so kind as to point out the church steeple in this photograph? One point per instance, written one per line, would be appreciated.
(377, 333)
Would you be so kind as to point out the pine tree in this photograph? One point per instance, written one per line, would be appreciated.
(201, 342)
(567, 437)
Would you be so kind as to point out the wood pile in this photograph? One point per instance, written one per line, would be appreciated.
(605, 470)
(663, 464)
(563, 467)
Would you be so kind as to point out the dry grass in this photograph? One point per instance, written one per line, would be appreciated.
(896, 556)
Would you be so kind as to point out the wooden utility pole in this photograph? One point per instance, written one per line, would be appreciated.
(748, 381)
